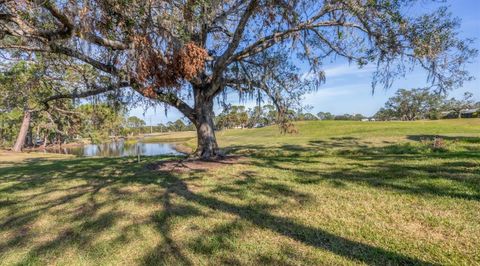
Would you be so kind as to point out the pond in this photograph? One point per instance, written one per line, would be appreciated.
(117, 149)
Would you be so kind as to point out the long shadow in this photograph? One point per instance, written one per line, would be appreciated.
(162, 222)
(467, 139)
(42, 178)
(384, 167)
(314, 237)
(378, 159)
(90, 225)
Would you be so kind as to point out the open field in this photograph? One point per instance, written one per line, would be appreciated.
(336, 193)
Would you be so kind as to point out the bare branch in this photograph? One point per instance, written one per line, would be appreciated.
(95, 91)
(115, 45)
(67, 24)
(24, 48)
(169, 98)
(270, 40)
(177, 103)
(237, 37)
(81, 56)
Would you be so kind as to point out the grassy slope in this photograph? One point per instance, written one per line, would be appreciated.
(337, 193)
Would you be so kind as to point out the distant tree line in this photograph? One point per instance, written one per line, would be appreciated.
(235, 116)
(415, 104)
(330, 116)
(238, 116)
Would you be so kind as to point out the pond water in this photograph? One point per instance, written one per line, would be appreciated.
(117, 149)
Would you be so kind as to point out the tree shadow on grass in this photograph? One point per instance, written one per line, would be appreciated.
(466, 139)
(403, 167)
(81, 227)
(100, 174)
(163, 224)
(311, 236)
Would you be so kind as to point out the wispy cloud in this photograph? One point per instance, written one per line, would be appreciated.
(343, 71)
(330, 93)
(347, 70)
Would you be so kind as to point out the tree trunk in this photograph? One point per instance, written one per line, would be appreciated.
(207, 147)
(45, 141)
(20, 142)
(29, 139)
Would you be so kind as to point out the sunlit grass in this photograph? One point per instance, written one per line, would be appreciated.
(333, 194)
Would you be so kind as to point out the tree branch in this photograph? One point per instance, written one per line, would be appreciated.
(68, 26)
(115, 45)
(176, 102)
(97, 90)
(23, 48)
(237, 37)
(268, 41)
(82, 57)
(170, 99)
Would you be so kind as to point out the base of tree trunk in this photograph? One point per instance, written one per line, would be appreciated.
(207, 155)
(207, 147)
(22, 134)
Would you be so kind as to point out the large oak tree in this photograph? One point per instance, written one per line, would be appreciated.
(186, 53)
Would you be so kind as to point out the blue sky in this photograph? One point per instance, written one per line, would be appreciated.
(348, 89)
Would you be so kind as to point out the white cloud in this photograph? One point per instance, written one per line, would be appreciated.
(326, 94)
(343, 71)
(346, 70)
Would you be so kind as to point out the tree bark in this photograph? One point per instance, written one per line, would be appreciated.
(20, 142)
(45, 141)
(207, 147)
(29, 141)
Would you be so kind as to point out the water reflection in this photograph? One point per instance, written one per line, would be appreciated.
(117, 149)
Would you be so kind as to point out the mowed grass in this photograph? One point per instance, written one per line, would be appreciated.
(337, 193)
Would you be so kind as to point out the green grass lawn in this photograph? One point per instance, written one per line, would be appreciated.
(336, 193)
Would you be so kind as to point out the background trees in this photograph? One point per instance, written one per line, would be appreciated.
(100, 121)
(456, 106)
(135, 124)
(325, 116)
(25, 119)
(235, 116)
(17, 93)
(422, 104)
(385, 114)
(186, 53)
(10, 122)
(411, 105)
(23, 85)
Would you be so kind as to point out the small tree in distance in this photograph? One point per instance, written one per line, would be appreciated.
(135, 123)
(325, 116)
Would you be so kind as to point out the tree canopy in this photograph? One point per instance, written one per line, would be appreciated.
(413, 104)
(187, 53)
(416, 104)
(22, 86)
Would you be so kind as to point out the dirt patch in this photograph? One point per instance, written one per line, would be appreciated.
(187, 165)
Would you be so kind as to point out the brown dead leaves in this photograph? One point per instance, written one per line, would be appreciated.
(155, 70)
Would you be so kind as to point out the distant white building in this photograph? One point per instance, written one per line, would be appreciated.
(469, 111)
